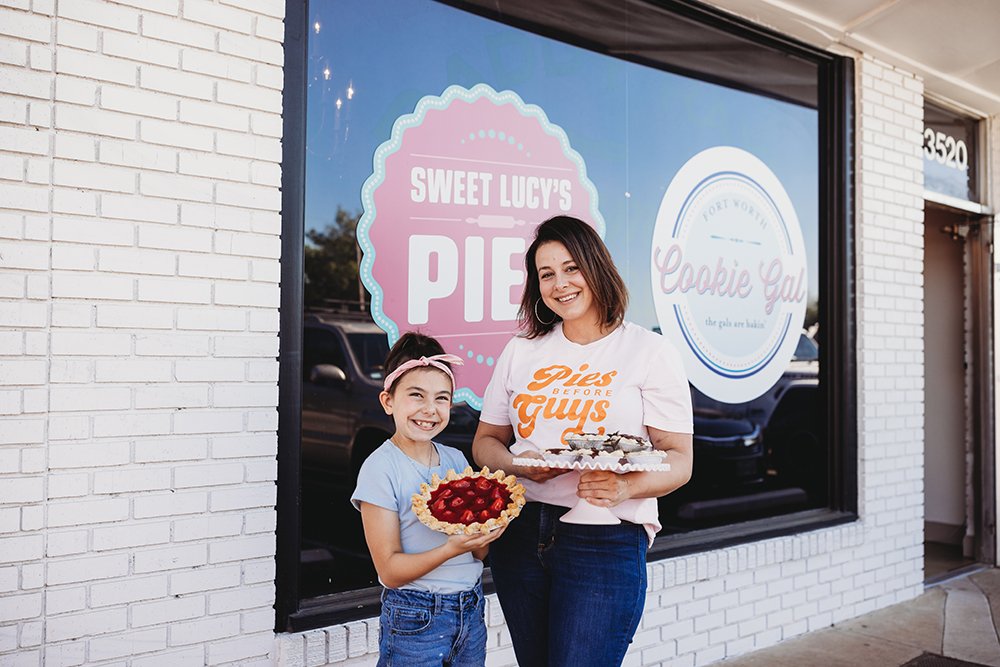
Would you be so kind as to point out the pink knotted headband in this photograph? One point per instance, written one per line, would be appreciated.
(434, 360)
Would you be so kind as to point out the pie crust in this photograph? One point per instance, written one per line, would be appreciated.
(444, 503)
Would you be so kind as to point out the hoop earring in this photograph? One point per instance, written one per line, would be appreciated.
(540, 321)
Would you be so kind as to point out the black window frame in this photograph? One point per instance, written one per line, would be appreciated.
(837, 335)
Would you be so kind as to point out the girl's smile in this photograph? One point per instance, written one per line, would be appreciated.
(420, 405)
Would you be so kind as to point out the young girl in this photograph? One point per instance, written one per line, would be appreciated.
(432, 604)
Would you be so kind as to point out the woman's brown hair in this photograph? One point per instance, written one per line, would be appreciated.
(595, 263)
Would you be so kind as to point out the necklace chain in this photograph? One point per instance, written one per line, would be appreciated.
(430, 460)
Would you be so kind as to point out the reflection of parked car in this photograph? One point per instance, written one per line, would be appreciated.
(762, 456)
(342, 420)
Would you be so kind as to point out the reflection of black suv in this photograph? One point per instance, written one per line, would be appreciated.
(756, 458)
(342, 420)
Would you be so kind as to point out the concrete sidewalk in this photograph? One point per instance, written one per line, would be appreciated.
(953, 624)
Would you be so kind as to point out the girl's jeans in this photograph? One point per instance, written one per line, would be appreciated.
(420, 629)
(572, 595)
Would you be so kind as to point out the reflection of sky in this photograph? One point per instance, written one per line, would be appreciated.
(633, 126)
(946, 180)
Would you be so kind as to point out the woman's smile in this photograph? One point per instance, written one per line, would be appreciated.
(562, 286)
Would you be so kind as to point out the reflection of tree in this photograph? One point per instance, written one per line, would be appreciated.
(331, 264)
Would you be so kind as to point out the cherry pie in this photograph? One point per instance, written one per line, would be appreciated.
(470, 502)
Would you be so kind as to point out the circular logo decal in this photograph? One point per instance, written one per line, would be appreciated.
(728, 271)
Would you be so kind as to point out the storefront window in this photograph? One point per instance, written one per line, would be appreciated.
(436, 137)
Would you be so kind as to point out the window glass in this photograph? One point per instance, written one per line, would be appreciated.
(632, 122)
(950, 147)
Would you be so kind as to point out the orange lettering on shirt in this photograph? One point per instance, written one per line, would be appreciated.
(577, 411)
(546, 376)
(527, 406)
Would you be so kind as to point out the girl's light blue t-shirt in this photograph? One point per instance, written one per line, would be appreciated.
(389, 478)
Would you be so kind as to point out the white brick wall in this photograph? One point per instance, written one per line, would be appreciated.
(705, 607)
(139, 173)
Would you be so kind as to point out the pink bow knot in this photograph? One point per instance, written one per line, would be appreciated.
(438, 361)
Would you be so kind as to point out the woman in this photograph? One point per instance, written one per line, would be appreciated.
(573, 594)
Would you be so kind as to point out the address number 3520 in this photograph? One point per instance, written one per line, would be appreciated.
(946, 149)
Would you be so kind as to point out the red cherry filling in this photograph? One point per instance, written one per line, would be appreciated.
(467, 501)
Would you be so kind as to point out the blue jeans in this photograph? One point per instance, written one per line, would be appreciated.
(420, 629)
(572, 595)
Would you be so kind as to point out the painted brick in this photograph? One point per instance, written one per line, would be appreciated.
(243, 498)
(240, 648)
(251, 395)
(252, 48)
(204, 630)
(215, 166)
(18, 607)
(121, 480)
(171, 396)
(147, 344)
(175, 187)
(171, 504)
(90, 344)
(144, 156)
(75, 570)
(77, 512)
(246, 346)
(194, 655)
(167, 611)
(151, 450)
(137, 48)
(133, 370)
(25, 26)
(133, 589)
(73, 257)
(180, 32)
(216, 64)
(89, 398)
(212, 319)
(244, 445)
(22, 315)
(174, 290)
(219, 16)
(80, 285)
(141, 208)
(193, 112)
(210, 370)
(171, 558)
(241, 549)
(130, 424)
(178, 135)
(93, 232)
(138, 102)
(208, 421)
(20, 548)
(204, 579)
(68, 485)
(177, 83)
(211, 474)
(127, 644)
(24, 82)
(73, 626)
(62, 600)
(21, 431)
(102, 14)
(264, 320)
